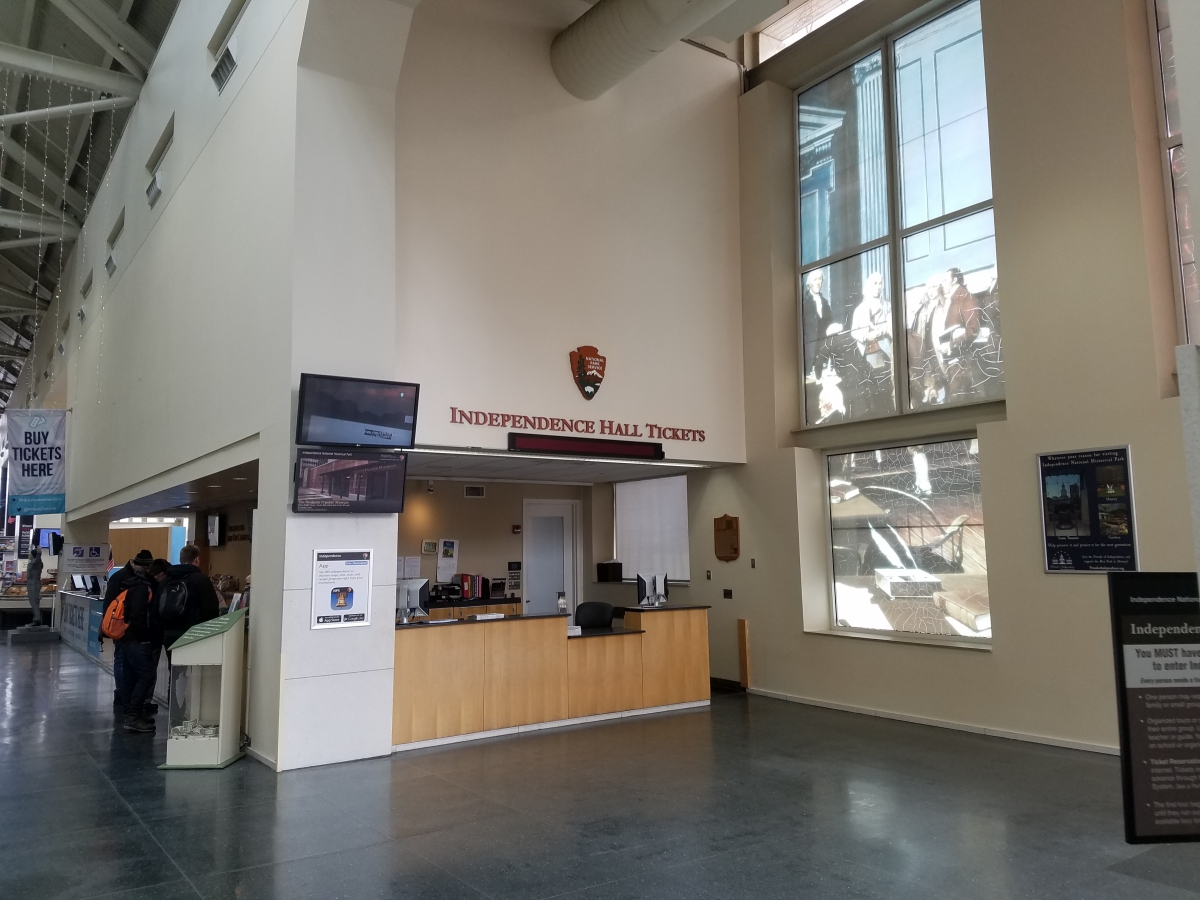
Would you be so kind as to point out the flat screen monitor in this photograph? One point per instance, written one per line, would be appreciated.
(45, 537)
(651, 588)
(79, 582)
(95, 586)
(349, 481)
(413, 595)
(356, 412)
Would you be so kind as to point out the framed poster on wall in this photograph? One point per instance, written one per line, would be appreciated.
(341, 588)
(1087, 511)
(1156, 646)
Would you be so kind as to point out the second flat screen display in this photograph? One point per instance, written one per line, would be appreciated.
(356, 412)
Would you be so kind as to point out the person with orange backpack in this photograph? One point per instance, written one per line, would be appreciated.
(116, 584)
(132, 621)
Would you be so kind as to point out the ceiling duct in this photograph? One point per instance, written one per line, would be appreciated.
(616, 37)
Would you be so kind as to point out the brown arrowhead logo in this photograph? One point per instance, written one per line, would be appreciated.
(587, 366)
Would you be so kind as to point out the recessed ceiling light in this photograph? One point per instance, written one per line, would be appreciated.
(212, 485)
(236, 478)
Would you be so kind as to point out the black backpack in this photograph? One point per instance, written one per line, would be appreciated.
(173, 603)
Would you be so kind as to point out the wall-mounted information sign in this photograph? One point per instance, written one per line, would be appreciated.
(1087, 511)
(1156, 640)
(341, 590)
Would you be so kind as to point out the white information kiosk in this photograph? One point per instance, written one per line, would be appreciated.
(206, 694)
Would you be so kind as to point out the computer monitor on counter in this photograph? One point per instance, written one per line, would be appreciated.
(412, 598)
(652, 588)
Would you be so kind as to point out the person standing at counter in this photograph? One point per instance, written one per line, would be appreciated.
(140, 646)
(33, 583)
(116, 583)
(186, 598)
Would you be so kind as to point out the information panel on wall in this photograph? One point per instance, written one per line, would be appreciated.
(84, 559)
(37, 471)
(1087, 511)
(1156, 643)
(341, 588)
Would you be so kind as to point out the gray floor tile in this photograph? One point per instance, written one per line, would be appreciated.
(83, 864)
(381, 872)
(238, 837)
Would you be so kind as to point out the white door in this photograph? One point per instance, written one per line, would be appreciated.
(549, 555)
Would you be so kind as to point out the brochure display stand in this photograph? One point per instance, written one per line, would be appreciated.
(206, 695)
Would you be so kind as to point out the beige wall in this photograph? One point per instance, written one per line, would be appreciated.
(232, 557)
(530, 223)
(483, 526)
(1080, 233)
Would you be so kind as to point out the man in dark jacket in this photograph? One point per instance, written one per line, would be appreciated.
(199, 598)
(140, 647)
(116, 584)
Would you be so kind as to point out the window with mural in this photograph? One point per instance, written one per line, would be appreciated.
(1170, 136)
(906, 529)
(898, 290)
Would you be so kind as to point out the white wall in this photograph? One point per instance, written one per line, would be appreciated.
(1085, 287)
(530, 223)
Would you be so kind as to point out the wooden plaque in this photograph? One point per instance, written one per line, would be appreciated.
(727, 538)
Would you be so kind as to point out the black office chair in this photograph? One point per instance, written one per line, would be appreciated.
(594, 615)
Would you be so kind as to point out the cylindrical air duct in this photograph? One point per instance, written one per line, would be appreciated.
(615, 37)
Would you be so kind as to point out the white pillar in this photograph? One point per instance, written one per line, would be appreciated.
(335, 686)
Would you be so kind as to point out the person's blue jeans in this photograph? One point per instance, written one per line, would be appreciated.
(119, 671)
(140, 674)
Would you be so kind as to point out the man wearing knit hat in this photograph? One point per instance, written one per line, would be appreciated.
(140, 564)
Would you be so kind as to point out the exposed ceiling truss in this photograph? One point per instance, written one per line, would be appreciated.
(69, 72)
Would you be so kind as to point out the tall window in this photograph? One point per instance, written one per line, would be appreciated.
(899, 301)
(1170, 133)
(906, 528)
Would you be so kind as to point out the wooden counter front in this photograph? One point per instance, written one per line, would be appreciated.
(438, 682)
(604, 674)
(674, 654)
(524, 661)
(463, 677)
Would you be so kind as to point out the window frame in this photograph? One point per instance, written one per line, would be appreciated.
(958, 641)
(894, 239)
(1166, 144)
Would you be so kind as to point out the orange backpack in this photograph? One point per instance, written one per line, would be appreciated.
(113, 624)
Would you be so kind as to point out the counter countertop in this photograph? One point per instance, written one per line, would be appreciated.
(604, 632)
(660, 608)
(453, 604)
(446, 623)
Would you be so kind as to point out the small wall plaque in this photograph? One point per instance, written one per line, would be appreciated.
(727, 538)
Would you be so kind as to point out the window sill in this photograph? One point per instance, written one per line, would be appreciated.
(900, 637)
(909, 427)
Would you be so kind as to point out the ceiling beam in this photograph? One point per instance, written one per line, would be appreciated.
(12, 353)
(38, 241)
(29, 197)
(8, 296)
(88, 26)
(68, 71)
(127, 37)
(35, 222)
(61, 112)
(33, 165)
(15, 312)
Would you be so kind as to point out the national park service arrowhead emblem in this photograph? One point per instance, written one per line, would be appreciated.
(587, 366)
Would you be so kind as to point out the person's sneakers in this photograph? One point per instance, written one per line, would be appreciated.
(139, 724)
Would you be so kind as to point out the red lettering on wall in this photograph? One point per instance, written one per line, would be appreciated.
(576, 426)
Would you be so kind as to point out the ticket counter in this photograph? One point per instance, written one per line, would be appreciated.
(463, 679)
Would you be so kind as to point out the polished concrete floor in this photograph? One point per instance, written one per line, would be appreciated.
(756, 799)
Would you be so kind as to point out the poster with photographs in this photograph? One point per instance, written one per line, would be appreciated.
(1087, 511)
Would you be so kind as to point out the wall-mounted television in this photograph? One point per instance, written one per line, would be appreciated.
(356, 412)
(349, 481)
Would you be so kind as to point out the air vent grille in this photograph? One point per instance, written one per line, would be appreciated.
(225, 66)
(474, 491)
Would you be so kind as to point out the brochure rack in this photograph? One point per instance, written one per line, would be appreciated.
(206, 694)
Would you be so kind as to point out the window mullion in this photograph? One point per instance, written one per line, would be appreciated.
(895, 242)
